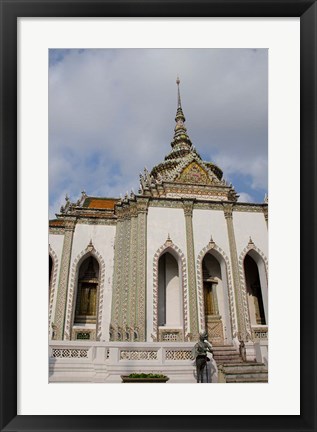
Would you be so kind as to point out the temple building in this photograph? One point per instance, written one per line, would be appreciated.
(138, 278)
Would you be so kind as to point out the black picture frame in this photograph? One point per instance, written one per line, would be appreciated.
(10, 11)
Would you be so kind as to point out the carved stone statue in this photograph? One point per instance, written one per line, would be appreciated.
(200, 351)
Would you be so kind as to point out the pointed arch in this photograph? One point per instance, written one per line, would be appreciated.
(212, 246)
(71, 298)
(255, 253)
(169, 246)
(52, 282)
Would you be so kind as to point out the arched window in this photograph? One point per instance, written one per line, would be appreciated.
(254, 291)
(169, 292)
(50, 271)
(87, 292)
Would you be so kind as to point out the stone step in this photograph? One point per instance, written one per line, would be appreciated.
(228, 361)
(227, 357)
(226, 354)
(224, 348)
(239, 380)
(247, 373)
(244, 372)
(242, 367)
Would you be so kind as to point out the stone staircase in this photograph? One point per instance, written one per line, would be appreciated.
(226, 354)
(232, 369)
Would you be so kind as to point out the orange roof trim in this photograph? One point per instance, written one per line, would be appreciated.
(56, 222)
(100, 203)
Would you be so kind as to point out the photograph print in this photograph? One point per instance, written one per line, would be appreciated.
(158, 215)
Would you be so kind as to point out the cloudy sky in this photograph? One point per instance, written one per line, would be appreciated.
(111, 113)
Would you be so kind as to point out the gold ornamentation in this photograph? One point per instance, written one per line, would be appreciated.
(193, 173)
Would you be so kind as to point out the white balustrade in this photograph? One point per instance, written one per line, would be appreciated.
(106, 361)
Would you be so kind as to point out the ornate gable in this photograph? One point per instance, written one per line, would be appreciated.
(194, 174)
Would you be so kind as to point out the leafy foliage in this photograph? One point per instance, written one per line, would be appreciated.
(144, 375)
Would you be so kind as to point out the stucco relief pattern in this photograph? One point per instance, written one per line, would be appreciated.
(52, 287)
(71, 299)
(63, 280)
(242, 256)
(165, 247)
(212, 246)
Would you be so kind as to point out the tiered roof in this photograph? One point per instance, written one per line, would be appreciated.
(183, 172)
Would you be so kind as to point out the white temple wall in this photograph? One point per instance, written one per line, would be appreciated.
(102, 237)
(161, 222)
(250, 224)
(208, 223)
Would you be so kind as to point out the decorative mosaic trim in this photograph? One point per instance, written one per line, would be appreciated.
(132, 275)
(126, 261)
(142, 206)
(242, 331)
(75, 331)
(208, 206)
(69, 353)
(166, 203)
(116, 280)
(170, 335)
(192, 290)
(254, 208)
(164, 248)
(246, 250)
(212, 246)
(260, 333)
(138, 355)
(56, 231)
(63, 281)
(94, 221)
(179, 355)
(71, 300)
(52, 287)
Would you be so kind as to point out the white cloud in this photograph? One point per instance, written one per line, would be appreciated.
(111, 112)
(245, 197)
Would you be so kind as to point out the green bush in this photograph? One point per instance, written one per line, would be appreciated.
(144, 375)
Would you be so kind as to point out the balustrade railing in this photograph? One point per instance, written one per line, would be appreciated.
(116, 352)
